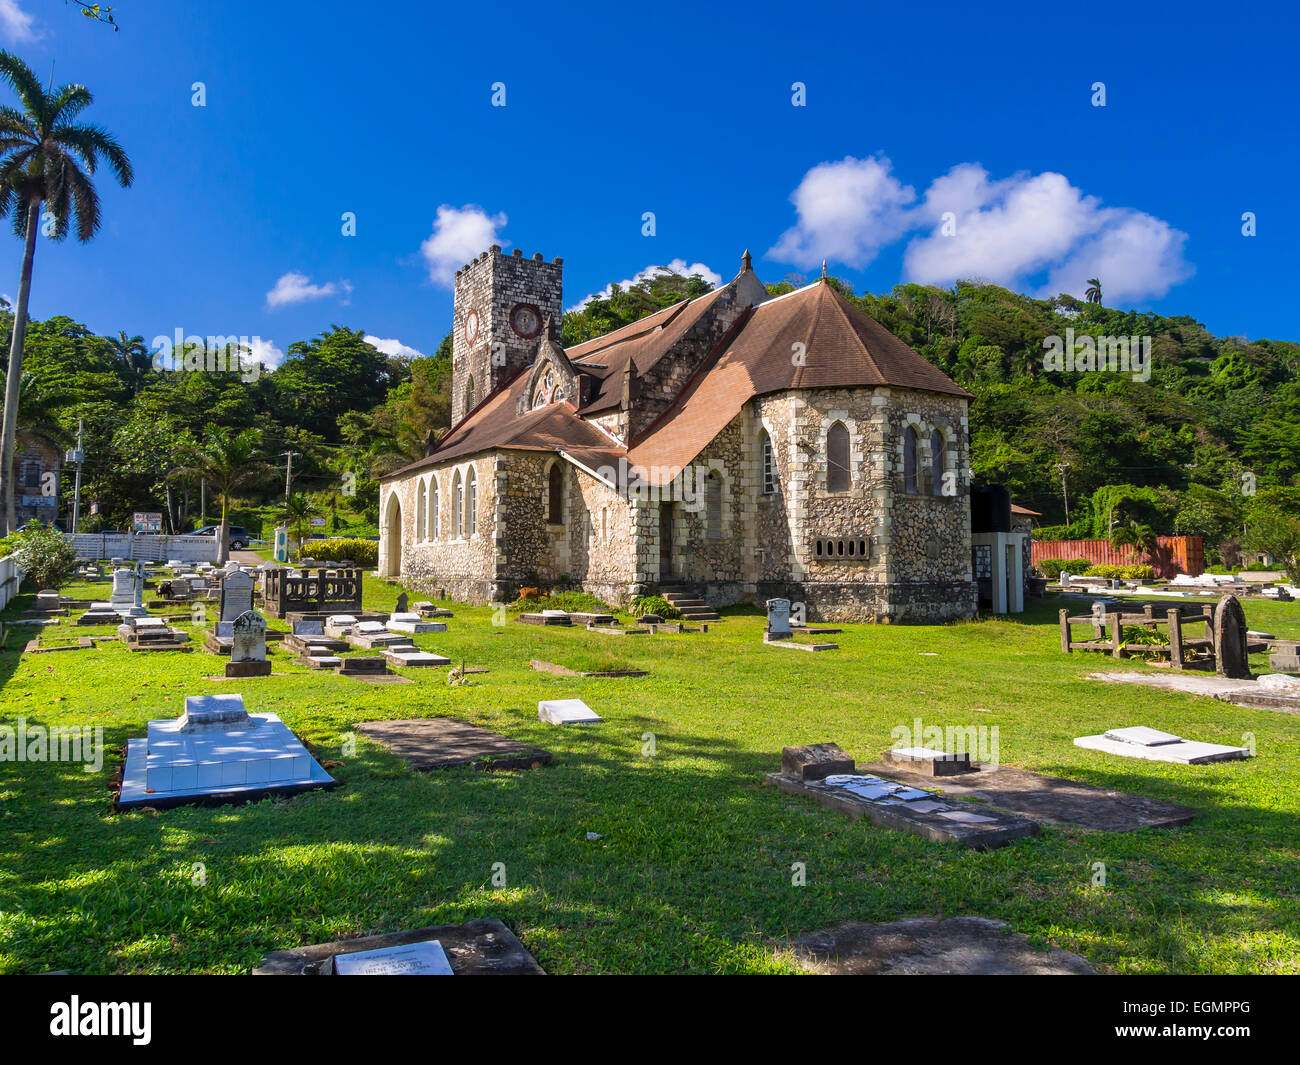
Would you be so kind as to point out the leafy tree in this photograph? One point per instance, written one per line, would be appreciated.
(42, 154)
(228, 463)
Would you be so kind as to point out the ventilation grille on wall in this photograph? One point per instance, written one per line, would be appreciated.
(842, 549)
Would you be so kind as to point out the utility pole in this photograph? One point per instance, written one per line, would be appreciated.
(77, 458)
(1065, 494)
(288, 471)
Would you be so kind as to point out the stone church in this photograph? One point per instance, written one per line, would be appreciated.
(736, 446)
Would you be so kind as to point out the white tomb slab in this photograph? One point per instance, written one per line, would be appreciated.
(1280, 682)
(555, 613)
(216, 749)
(414, 658)
(566, 712)
(413, 623)
(413, 959)
(1157, 746)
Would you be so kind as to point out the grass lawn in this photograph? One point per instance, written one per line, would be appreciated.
(692, 872)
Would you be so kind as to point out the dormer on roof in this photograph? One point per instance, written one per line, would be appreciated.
(552, 378)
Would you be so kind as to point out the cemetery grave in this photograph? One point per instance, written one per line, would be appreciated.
(1224, 648)
(152, 634)
(917, 946)
(412, 623)
(216, 752)
(1048, 800)
(780, 633)
(566, 712)
(589, 666)
(1139, 741)
(310, 635)
(445, 742)
(827, 775)
(1271, 691)
(483, 947)
(545, 617)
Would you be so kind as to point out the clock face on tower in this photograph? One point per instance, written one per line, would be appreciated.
(471, 327)
(526, 320)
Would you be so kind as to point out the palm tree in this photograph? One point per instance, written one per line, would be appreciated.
(43, 151)
(1093, 292)
(135, 358)
(297, 510)
(228, 463)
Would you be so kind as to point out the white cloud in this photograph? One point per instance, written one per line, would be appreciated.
(677, 266)
(394, 347)
(459, 234)
(1024, 231)
(294, 287)
(263, 351)
(847, 211)
(16, 24)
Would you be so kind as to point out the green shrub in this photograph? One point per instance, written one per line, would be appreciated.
(1106, 570)
(572, 602)
(46, 558)
(654, 604)
(362, 552)
(1051, 568)
(1140, 572)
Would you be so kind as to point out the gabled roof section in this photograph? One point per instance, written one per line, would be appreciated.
(495, 424)
(842, 347)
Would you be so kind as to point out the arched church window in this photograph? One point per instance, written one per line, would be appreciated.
(713, 506)
(769, 465)
(540, 401)
(457, 505)
(434, 520)
(471, 491)
(909, 460)
(550, 379)
(558, 396)
(937, 446)
(839, 477)
(555, 495)
(421, 510)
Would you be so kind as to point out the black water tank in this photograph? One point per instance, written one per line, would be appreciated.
(990, 509)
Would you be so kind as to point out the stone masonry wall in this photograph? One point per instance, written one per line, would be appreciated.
(493, 284)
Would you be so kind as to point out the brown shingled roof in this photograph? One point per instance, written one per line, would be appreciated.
(495, 424)
(843, 347)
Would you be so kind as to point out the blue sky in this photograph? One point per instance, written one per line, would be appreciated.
(979, 117)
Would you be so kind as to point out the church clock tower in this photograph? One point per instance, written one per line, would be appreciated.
(501, 302)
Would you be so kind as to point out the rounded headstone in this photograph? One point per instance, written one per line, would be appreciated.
(1230, 639)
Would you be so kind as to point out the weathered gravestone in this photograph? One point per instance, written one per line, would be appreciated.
(1230, 655)
(248, 647)
(402, 604)
(778, 619)
(236, 595)
(127, 596)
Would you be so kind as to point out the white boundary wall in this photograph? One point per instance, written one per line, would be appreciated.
(10, 578)
(148, 548)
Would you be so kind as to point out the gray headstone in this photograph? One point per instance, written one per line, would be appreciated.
(249, 632)
(778, 617)
(1230, 654)
(236, 595)
(312, 627)
(124, 590)
(402, 604)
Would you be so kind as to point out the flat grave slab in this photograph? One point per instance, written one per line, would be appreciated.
(484, 947)
(216, 752)
(1156, 746)
(926, 761)
(1239, 692)
(924, 946)
(1050, 800)
(565, 671)
(81, 644)
(443, 742)
(414, 658)
(894, 804)
(566, 712)
(412, 623)
(788, 642)
(545, 618)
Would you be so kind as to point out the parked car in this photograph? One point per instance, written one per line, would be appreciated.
(239, 538)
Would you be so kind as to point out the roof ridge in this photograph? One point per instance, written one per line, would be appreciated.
(842, 304)
(676, 308)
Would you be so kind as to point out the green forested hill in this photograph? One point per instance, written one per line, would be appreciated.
(1209, 442)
